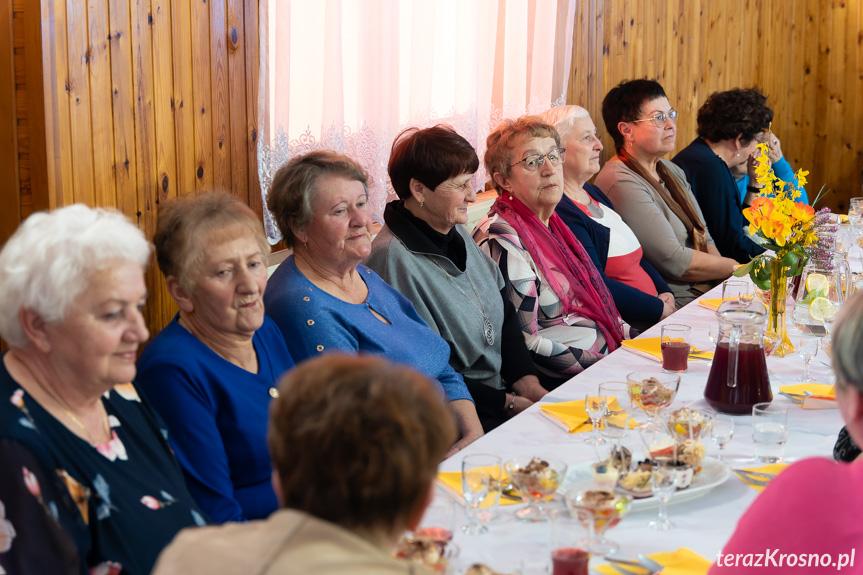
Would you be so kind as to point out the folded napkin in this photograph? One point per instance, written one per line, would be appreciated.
(452, 481)
(823, 396)
(651, 348)
(714, 303)
(681, 562)
(774, 468)
(572, 416)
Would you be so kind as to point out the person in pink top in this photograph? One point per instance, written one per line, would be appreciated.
(808, 518)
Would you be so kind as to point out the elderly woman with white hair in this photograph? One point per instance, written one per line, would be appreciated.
(813, 508)
(641, 295)
(88, 479)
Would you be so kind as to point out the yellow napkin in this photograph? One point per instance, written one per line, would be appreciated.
(681, 562)
(651, 348)
(714, 303)
(774, 468)
(823, 396)
(573, 416)
(844, 219)
(452, 481)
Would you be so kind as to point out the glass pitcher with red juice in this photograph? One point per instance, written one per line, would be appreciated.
(738, 377)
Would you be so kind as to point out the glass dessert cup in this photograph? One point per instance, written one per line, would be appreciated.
(535, 478)
(652, 391)
(598, 508)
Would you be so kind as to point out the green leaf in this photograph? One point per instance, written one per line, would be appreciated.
(744, 269)
(812, 295)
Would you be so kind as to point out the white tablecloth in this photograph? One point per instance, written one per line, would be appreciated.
(702, 524)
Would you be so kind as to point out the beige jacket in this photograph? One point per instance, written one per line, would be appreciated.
(287, 542)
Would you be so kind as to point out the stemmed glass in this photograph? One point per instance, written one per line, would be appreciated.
(663, 480)
(598, 509)
(478, 472)
(535, 479)
(807, 348)
(594, 405)
(721, 431)
(652, 391)
(615, 420)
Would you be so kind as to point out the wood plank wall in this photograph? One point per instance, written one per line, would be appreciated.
(805, 55)
(126, 103)
(145, 100)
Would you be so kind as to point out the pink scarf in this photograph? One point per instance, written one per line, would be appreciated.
(560, 256)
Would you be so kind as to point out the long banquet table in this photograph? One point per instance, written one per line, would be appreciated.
(703, 524)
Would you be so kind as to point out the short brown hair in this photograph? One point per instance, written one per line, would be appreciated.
(295, 184)
(431, 156)
(186, 225)
(356, 440)
(508, 135)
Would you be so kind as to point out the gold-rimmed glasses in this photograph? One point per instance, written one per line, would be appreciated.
(660, 120)
(532, 162)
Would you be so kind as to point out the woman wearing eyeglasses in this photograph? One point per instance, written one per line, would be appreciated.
(730, 126)
(566, 313)
(652, 195)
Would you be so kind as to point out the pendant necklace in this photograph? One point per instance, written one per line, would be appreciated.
(487, 329)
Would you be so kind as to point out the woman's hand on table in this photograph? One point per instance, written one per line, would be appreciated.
(518, 403)
(469, 427)
(668, 305)
(529, 387)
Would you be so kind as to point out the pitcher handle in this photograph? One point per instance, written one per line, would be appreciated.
(733, 345)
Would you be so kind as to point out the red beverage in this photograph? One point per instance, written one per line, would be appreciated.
(569, 561)
(675, 356)
(439, 535)
(753, 383)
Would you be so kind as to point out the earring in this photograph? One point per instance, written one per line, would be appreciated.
(422, 204)
(737, 154)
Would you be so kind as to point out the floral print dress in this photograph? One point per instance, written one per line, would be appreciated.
(67, 507)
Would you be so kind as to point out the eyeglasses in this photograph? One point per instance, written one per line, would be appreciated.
(534, 161)
(660, 119)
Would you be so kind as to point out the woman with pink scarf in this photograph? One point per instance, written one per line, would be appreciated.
(567, 314)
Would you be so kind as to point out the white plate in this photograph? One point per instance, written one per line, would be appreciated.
(713, 473)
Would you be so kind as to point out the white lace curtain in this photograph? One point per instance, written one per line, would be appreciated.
(349, 75)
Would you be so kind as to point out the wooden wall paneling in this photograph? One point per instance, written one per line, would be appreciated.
(49, 127)
(808, 100)
(183, 102)
(80, 119)
(252, 48)
(849, 144)
(123, 110)
(236, 55)
(10, 203)
(858, 112)
(834, 136)
(596, 18)
(99, 67)
(166, 150)
(220, 90)
(202, 95)
(823, 96)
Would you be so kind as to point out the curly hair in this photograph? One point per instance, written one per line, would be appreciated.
(296, 183)
(563, 118)
(508, 135)
(624, 103)
(356, 440)
(429, 156)
(738, 112)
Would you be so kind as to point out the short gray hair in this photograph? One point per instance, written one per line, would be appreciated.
(49, 260)
(847, 339)
(563, 118)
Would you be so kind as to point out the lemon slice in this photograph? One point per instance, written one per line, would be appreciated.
(821, 308)
(818, 282)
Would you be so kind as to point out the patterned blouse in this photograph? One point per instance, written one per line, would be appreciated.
(67, 507)
(561, 345)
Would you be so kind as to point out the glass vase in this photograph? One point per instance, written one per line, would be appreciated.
(776, 340)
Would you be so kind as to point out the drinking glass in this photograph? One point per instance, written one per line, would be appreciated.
(438, 522)
(769, 431)
(478, 472)
(739, 290)
(566, 556)
(722, 430)
(594, 405)
(807, 348)
(535, 479)
(713, 336)
(598, 509)
(652, 391)
(615, 419)
(675, 347)
(663, 480)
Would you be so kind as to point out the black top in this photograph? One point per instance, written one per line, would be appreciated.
(74, 506)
